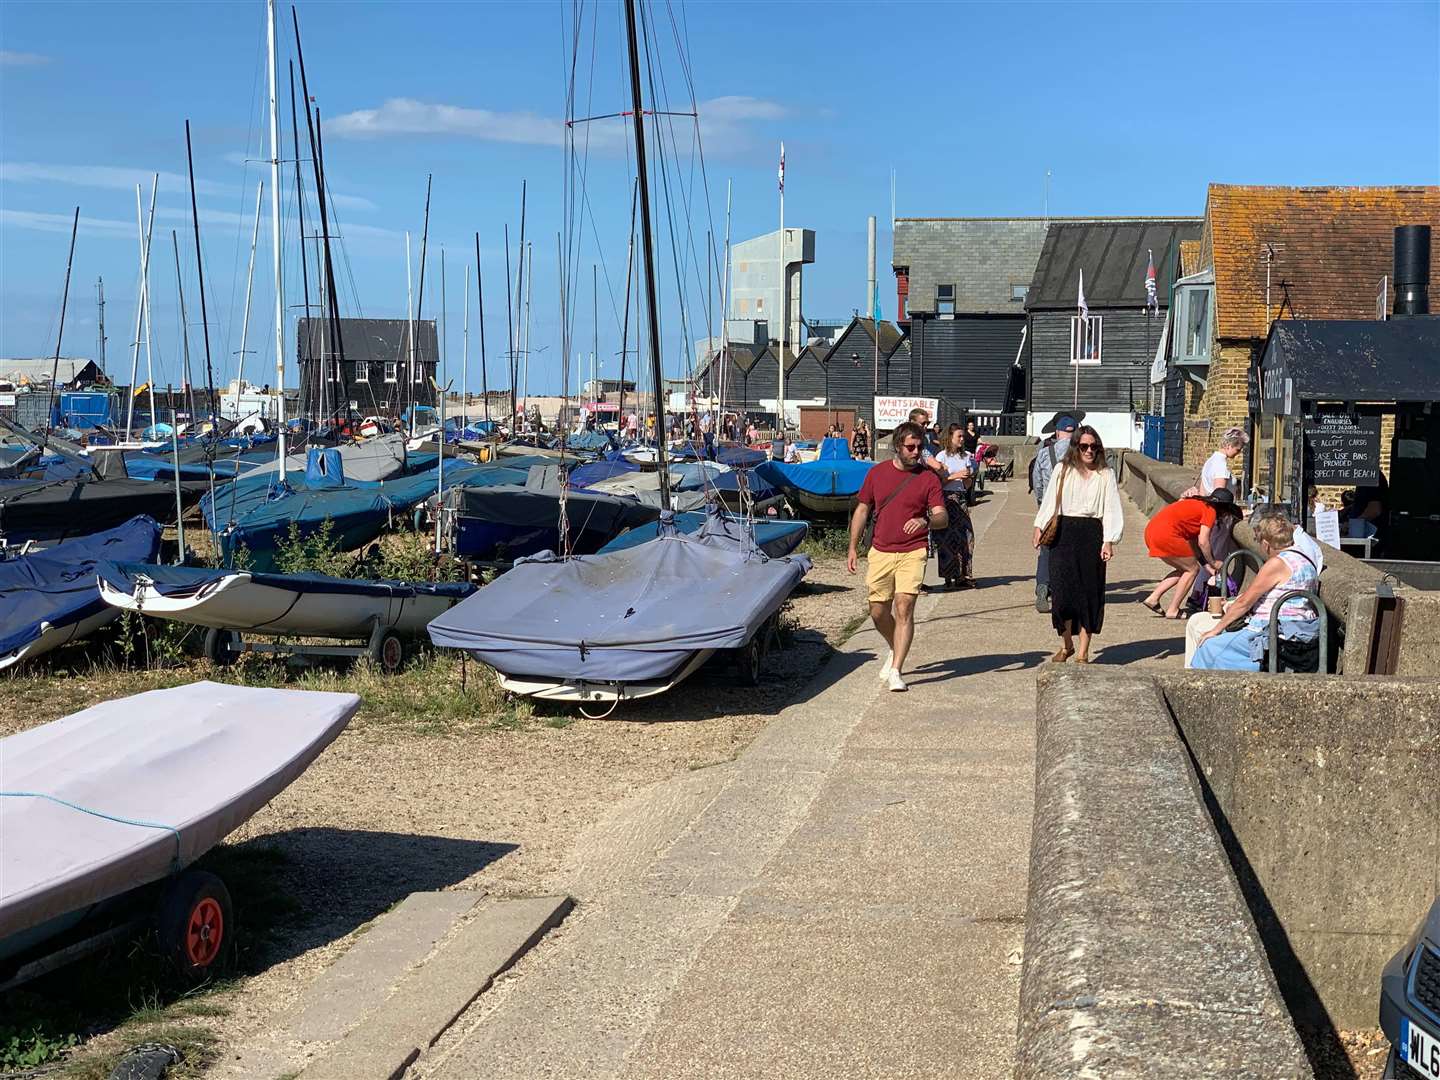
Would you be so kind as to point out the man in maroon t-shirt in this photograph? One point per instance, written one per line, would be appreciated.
(907, 501)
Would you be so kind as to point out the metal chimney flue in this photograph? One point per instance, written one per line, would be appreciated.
(1412, 270)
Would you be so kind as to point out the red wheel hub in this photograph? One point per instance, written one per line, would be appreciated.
(204, 932)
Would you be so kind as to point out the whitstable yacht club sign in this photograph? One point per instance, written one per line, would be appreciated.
(891, 412)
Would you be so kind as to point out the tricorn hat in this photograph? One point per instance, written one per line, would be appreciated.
(1078, 415)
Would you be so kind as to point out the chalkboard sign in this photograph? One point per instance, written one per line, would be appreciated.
(1342, 449)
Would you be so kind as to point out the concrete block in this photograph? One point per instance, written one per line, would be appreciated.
(433, 995)
(361, 980)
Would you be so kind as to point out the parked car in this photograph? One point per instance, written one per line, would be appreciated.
(1410, 1004)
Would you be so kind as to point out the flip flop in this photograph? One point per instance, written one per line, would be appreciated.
(1178, 617)
(1154, 609)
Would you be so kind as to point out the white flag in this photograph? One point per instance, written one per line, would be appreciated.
(782, 168)
(1084, 307)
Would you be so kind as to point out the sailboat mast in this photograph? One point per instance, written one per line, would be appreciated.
(529, 295)
(200, 275)
(275, 240)
(625, 323)
(484, 371)
(100, 303)
(140, 310)
(184, 332)
(64, 303)
(725, 309)
(465, 356)
(520, 287)
(510, 327)
(420, 296)
(249, 283)
(652, 312)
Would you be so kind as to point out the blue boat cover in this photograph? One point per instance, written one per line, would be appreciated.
(775, 538)
(839, 477)
(587, 440)
(323, 470)
(833, 449)
(740, 457)
(582, 476)
(183, 580)
(58, 585)
(626, 616)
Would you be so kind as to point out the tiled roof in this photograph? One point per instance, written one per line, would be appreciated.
(1331, 247)
(1189, 257)
(1113, 255)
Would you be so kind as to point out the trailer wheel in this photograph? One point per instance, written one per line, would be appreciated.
(389, 652)
(195, 923)
(750, 657)
(217, 646)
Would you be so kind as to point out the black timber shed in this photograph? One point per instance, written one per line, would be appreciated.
(1350, 360)
(382, 346)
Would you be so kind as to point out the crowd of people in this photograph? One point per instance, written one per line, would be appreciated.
(918, 502)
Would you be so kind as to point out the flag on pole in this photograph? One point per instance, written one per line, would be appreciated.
(1152, 300)
(782, 168)
(1084, 307)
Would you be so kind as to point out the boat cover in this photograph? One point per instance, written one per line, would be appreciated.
(37, 510)
(57, 587)
(833, 449)
(626, 616)
(740, 457)
(372, 460)
(776, 538)
(130, 791)
(187, 580)
(593, 472)
(838, 477)
(518, 506)
(587, 440)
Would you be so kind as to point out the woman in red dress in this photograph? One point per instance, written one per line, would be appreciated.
(1179, 534)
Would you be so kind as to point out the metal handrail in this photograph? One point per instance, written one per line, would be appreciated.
(1251, 559)
(1273, 630)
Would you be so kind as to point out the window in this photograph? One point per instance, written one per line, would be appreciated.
(362, 371)
(945, 300)
(417, 372)
(332, 371)
(1019, 292)
(759, 304)
(1085, 339)
(392, 371)
(1193, 304)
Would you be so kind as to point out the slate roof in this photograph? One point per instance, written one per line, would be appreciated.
(891, 335)
(38, 370)
(1332, 245)
(370, 340)
(1113, 255)
(1359, 359)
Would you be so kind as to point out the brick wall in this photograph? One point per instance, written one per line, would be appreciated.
(1221, 405)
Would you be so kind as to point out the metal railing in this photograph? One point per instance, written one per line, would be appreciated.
(1250, 558)
(1273, 632)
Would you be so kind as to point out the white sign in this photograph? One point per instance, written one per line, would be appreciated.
(1327, 527)
(7, 399)
(891, 412)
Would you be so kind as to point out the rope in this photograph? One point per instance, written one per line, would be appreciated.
(100, 814)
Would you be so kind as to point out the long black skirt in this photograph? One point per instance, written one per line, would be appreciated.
(1077, 576)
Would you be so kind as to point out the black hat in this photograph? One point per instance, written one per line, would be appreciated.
(1077, 415)
(1224, 499)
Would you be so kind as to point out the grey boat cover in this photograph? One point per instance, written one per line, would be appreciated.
(632, 615)
(129, 791)
(380, 458)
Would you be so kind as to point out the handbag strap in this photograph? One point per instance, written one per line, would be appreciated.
(1060, 490)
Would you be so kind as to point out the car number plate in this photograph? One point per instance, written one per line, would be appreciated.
(1419, 1050)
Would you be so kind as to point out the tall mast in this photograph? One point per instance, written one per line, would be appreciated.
(140, 311)
(465, 356)
(249, 282)
(409, 311)
(725, 308)
(520, 285)
(480, 288)
(100, 303)
(299, 194)
(510, 328)
(184, 332)
(200, 276)
(275, 239)
(652, 313)
(420, 295)
(145, 296)
(529, 295)
(625, 323)
(64, 303)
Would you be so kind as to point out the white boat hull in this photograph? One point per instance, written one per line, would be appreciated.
(600, 692)
(52, 637)
(236, 602)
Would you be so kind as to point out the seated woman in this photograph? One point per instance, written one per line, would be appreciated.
(1233, 645)
(1181, 535)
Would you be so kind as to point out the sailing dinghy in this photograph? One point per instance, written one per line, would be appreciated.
(102, 811)
(625, 624)
(48, 598)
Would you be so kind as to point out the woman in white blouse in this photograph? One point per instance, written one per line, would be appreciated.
(1084, 494)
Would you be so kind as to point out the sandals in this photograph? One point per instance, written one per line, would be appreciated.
(1061, 655)
(1154, 609)
(1082, 660)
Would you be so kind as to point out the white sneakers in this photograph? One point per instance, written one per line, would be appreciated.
(887, 665)
(895, 682)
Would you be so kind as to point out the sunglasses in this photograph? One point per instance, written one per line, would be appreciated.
(1087, 446)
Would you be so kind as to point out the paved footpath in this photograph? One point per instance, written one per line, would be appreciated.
(846, 898)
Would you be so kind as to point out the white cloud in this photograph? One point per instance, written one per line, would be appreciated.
(9, 58)
(351, 202)
(724, 123)
(115, 177)
(36, 221)
(406, 116)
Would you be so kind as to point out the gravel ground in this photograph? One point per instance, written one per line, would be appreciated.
(491, 806)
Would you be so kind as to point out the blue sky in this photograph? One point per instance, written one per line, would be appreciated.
(1133, 108)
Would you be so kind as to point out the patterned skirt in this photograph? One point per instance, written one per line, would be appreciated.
(955, 546)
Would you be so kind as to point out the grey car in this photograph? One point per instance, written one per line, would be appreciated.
(1410, 1004)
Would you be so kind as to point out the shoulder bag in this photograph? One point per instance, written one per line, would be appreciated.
(867, 538)
(1051, 532)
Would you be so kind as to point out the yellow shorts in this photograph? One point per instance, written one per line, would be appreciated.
(889, 572)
